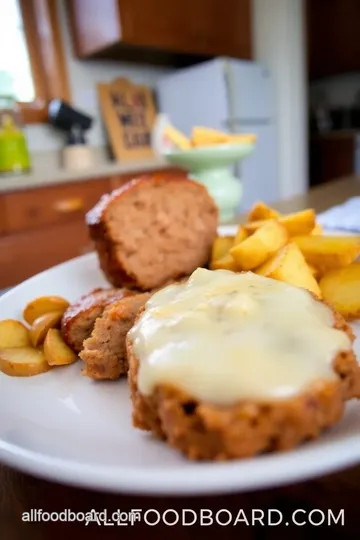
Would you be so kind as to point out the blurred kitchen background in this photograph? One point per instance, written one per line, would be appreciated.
(286, 70)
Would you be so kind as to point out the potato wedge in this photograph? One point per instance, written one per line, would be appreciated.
(23, 362)
(240, 235)
(42, 324)
(289, 265)
(328, 252)
(177, 138)
(341, 288)
(42, 305)
(242, 138)
(221, 246)
(296, 224)
(225, 263)
(299, 223)
(259, 247)
(317, 230)
(315, 272)
(57, 353)
(261, 211)
(202, 136)
(253, 226)
(13, 334)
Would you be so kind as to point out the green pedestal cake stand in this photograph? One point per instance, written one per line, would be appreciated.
(210, 166)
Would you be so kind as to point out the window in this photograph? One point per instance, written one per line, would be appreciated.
(15, 70)
(32, 64)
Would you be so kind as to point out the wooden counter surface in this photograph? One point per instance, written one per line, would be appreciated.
(21, 493)
(324, 196)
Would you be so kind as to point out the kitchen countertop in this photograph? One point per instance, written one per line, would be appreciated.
(46, 171)
(336, 492)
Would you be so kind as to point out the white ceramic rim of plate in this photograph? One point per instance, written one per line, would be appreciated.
(214, 478)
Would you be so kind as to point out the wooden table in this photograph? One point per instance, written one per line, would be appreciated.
(19, 492)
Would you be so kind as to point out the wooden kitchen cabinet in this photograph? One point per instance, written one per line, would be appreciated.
(204, 27)
(27, 210)
(332, 37)
(25, 254)
(2, 218)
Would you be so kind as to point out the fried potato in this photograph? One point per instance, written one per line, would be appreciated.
(259, 247)
(57, 353)
(177, 138)
(315, 272)
(225, 263)
(317, 230)
(221, 246)
(242, 138)
(261, 211)
(42, 324)
(23, 362)
(202, 136)
(328, 252)
(13, 334)
(240, 235)
(299, 223)
(42, 305)
(296, 224)
(253, 226)
(289, 265)
(341, 288)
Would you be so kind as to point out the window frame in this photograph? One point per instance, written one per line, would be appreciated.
(47, 59)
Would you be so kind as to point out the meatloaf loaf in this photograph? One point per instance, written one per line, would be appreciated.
(104, 352)
(79, 319)
(153, 230)
(206, 430)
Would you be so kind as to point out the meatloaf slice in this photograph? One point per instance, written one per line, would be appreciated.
(204, 431)
(79, 319)
(153, 230)
(104, 352)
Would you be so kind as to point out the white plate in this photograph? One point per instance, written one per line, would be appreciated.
(65, 427)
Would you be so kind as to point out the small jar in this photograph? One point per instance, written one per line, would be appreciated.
(14, 154)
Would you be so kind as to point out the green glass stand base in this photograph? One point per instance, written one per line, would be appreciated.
(210, 166)
(225, 189)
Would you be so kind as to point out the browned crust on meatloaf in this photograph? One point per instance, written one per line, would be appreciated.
(104, 352)
(106, 248)
(208, 432)
(79, 318)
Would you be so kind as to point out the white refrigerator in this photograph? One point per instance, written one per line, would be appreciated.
(230, 95)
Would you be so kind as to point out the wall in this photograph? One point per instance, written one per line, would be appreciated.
(279, 43)
(83, 77)
(338, 91)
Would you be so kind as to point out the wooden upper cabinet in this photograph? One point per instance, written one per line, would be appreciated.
(202, 27)
(333, 37)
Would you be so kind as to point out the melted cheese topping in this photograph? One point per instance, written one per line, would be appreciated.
(225, 337)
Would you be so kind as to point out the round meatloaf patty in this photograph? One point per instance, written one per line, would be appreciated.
(79, 318)
(204, 431)
(104, 352)
(153, 230)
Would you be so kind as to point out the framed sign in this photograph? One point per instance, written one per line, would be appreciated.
(129, 114)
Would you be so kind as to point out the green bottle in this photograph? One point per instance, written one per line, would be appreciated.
(14, 155)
